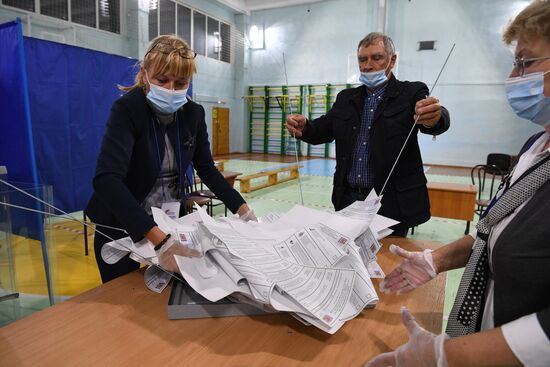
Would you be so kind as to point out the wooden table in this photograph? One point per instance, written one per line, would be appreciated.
(121, 323)
(229, 176)
(454, 201)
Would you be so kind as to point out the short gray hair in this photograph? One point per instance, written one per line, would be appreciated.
(370, 38)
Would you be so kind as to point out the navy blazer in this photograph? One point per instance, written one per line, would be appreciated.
(128, 163)
(405, 196)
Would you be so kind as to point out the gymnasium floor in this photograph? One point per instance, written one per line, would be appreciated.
(73, 272)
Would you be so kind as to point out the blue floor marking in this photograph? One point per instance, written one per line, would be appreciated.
(318, 167)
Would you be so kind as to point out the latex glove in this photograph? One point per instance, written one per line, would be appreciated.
(416, 269)
(249, 216)
(172, 247)
(424, 349)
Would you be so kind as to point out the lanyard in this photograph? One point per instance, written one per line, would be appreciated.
(180, 172)
(160, 161)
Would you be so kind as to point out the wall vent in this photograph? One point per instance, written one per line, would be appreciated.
(426, 45)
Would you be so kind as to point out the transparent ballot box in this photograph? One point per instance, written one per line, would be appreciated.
(27, 259)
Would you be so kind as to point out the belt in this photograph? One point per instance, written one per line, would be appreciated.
(361, 190)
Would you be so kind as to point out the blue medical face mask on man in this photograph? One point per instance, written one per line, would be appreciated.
(374, 79)
(166, 100)
(526, 97)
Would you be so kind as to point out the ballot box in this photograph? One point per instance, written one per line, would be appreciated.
(185, 303)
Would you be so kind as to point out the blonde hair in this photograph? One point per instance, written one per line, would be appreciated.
(532, 22)
(165, 55)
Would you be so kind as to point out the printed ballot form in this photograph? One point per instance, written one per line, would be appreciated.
(313, 264)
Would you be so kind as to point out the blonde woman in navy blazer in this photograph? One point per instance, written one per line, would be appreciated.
(153, 134)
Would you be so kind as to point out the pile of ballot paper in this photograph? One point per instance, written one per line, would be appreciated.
(314, 264)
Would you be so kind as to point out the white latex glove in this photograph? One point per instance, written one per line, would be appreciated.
(172, 247)
(423, 349)
(416, 269)
(249, 216)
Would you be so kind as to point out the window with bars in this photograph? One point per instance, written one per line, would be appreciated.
(199, 33)
(101, 14)
(153, 20)
(184, 23)
(83, 12)
(109, 15)
(55, 8)
(27, 5)
(214, 39)
(225, 35)
(169, 17)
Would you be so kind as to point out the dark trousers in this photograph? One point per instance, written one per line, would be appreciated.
(111, 271)
(352, 195)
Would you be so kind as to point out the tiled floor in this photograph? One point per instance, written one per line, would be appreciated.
(74, 273)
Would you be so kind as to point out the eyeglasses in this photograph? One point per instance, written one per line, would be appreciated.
(520, 63)
(168, 49)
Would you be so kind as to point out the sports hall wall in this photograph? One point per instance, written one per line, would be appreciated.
(320, 40)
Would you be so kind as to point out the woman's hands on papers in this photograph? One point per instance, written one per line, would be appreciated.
(423, 349)
(246, 214)
(416, 269)
(249, 216)
(174, 247)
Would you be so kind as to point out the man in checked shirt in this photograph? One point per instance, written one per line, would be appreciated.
(370, 124)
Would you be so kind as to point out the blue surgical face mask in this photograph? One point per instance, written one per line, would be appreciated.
(374, 79)
(166, 100)
(526, 97)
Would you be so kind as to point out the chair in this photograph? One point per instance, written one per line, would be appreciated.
(503, 162)
(480, 174)
(200, 195)
(192, 195)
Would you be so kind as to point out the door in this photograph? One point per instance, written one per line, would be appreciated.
(220, 130)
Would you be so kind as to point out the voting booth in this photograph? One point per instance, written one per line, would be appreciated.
(55, 100)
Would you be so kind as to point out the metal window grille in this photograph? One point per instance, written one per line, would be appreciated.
(167, 17)
(83, 12)
(153, 19)
(27, 5)
(184, 23)
(225, 31)
(214, 39)
(55, 8)
(199, 33)
(109, 15)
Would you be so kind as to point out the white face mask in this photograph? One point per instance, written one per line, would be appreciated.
(166, 100)
(526, 97)
(374, 79)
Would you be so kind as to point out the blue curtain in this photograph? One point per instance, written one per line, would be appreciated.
(54, 103)
(71, 93)
(16, 144)
(16, 148)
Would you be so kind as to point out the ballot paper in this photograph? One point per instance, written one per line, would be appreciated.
(314, 264)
